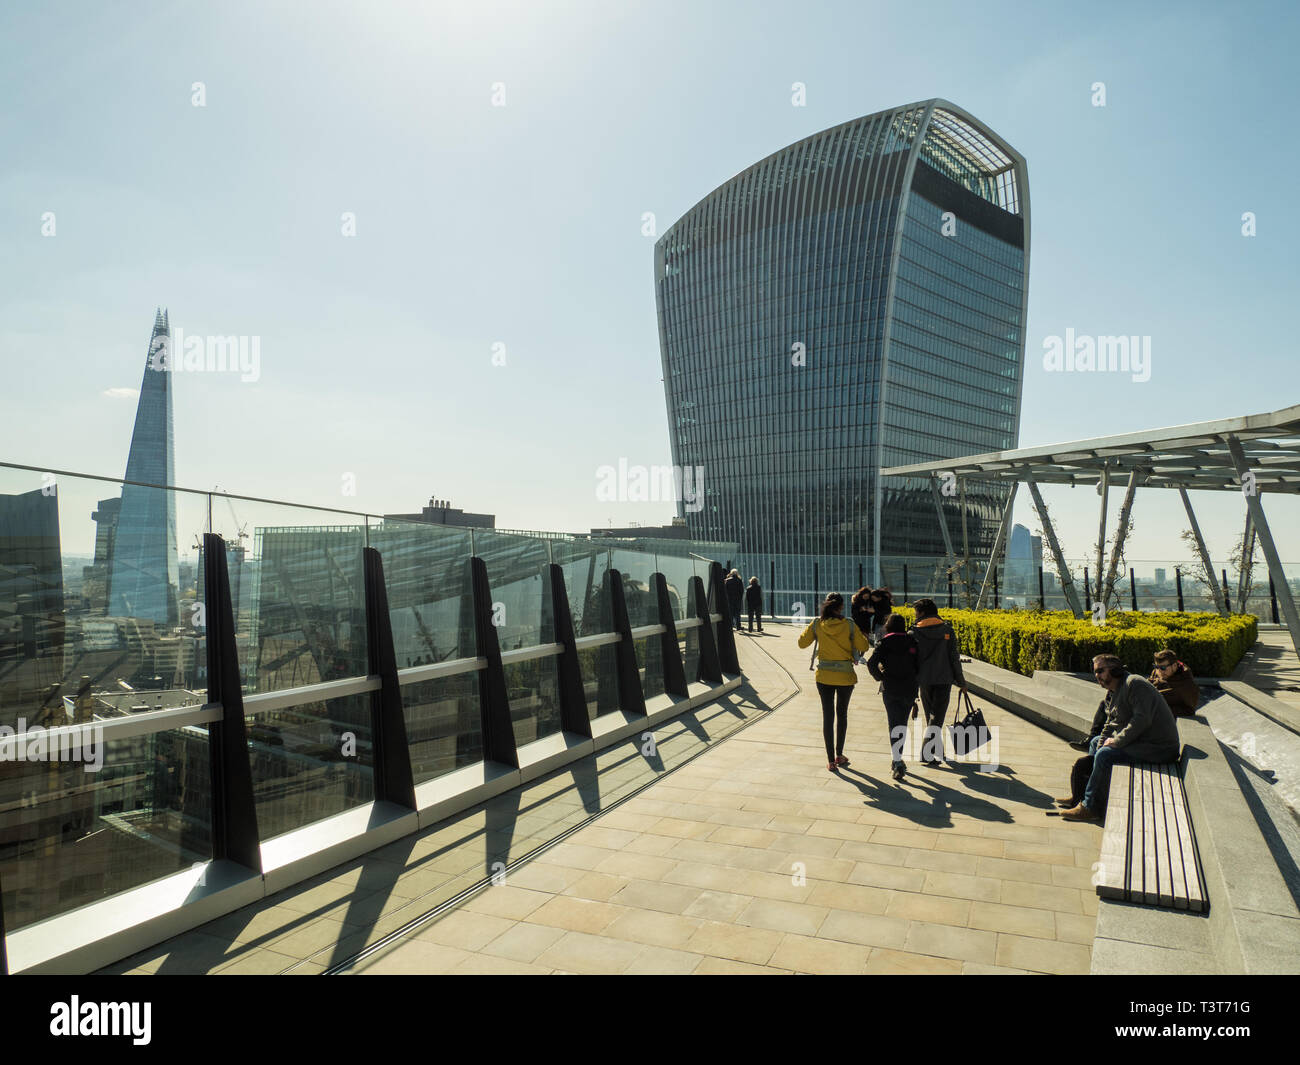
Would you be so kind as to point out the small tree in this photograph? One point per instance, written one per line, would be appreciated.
(1197, 571)
(1243, 567)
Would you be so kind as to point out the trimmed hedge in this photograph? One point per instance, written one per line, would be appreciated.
(1024, 640)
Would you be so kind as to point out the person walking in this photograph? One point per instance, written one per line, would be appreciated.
(861, 612)
(882, 606)
(837, 640)
(893, 663)
(938, 669)
(735, 594)
(754, 603)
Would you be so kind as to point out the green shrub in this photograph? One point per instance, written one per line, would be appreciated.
(1025, 640)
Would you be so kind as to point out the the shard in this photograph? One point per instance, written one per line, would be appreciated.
(143, 580)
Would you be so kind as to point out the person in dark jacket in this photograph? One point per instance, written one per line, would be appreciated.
(893, 662)
(1175, 682)
(1140, 727)
(754, 603)
(882, 606)
(860, 610)
(735, 589)
(938, 669)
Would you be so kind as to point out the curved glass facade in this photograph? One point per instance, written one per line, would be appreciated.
(851, 302)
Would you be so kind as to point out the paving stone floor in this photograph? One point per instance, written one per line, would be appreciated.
(754, 858)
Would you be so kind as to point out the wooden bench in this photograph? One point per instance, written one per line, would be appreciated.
(1148, 848)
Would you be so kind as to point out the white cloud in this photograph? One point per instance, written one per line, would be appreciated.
(122, 393)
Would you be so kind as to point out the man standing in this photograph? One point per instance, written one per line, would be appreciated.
(1139, 728)
(735, 589)
(938, 667)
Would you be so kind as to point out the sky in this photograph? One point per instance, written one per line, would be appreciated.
(486, 333)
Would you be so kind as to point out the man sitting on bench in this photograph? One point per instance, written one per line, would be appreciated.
(1139, 728)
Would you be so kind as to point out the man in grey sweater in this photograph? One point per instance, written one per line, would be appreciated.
(1139, 727)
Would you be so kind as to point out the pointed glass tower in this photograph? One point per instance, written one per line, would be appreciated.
(144, 581)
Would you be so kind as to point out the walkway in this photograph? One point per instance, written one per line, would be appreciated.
(753, 858)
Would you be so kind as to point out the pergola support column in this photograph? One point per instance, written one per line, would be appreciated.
(951, 557)
(1244, 577)
(1215, 590)
(998, 541)
(1284, 597)
(965, 544)
(1062, 570)
(1121, 534)
(1104, 487)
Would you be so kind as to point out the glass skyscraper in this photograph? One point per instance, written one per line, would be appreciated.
(143, 572)
(852, 302)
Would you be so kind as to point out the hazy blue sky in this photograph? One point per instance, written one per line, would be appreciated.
(522, 225)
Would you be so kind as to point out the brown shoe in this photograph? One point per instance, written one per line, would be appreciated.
(1077, 813)
(1068, 801)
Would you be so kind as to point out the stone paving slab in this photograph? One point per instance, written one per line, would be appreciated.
(755, 858)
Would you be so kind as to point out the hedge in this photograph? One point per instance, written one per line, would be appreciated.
(1025, 640)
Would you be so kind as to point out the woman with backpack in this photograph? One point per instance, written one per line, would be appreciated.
(893, 662)
(837, 640)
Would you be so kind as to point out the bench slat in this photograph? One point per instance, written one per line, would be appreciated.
(1150, 887)
(1114, 859)
(1177, 871)
(1191, 862)
(1165, 829)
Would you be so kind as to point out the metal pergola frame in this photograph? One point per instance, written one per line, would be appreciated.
(1252, 455)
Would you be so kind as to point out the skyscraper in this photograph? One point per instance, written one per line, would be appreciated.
(143, 573)
(852, 302)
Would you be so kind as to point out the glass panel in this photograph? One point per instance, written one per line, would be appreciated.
(82, 823)
(534, 695)
(430, 601)
(649, 660)
(636, 569)
(301, 592)
(89, 622)
(443, 725)
(517, 568)
(310, 762)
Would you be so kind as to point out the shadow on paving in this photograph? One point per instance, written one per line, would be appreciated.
(932, 808)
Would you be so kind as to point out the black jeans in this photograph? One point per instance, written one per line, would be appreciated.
(835, 716)
(755, 615)
(934, 703)
(735, 615)
(897, 709)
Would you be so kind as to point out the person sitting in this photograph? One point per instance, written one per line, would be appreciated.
(1139, 728)
(1175, 682)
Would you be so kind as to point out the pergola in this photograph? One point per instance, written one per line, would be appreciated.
(1251, 455)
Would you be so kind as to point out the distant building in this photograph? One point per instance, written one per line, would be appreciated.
(678, 530)
(143, 577)
(1160, 576)
(1024, 557)
(31, 602)
(853, 301)
(441, 512)
(94, 578)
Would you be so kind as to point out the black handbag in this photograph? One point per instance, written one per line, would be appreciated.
(971, 731)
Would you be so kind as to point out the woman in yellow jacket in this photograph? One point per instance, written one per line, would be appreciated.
(837, 638)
